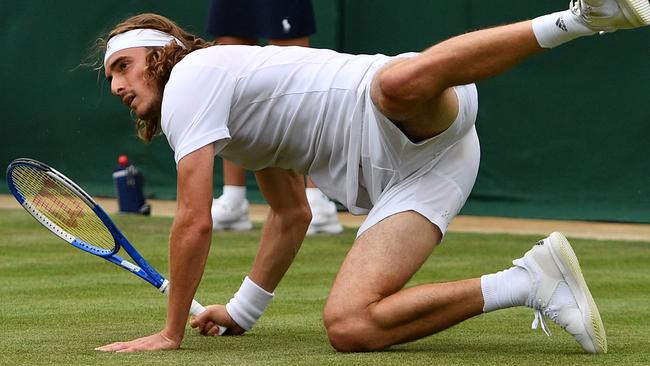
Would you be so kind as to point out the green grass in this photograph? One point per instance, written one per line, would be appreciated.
(57, 303)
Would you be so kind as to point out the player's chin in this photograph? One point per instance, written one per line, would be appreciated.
(147, 113)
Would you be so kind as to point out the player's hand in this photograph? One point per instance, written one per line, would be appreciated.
(154, 342)
(207, 323)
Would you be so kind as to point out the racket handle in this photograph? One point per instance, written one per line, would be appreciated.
(195, 308)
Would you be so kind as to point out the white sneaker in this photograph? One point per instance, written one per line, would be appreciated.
(229, 215)
(561, 293)
(324, 218)
(610, 15)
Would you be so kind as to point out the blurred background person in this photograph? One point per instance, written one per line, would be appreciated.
(280, 23)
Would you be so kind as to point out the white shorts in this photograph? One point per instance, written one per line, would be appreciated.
(432, 177)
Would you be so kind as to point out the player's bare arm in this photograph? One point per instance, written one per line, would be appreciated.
(188, 251)
(285, 226)
(283, 233)
(191, 235)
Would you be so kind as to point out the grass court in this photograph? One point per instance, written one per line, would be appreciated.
(58, 303)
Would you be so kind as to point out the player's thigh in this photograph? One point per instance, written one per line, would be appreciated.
(420, 110)
(381, 261)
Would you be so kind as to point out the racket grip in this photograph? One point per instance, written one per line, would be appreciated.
(195, 308)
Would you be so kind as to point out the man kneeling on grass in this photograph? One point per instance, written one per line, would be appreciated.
(390, 137)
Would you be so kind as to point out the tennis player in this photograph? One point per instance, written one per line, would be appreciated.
(391, 137)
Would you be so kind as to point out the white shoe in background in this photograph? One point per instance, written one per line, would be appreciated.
(325, 218)
(230, 215)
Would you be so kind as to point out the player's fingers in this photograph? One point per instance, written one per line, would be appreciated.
(214, 331)
(208, 326)
(107, 347)
(203, 327)
(195, 322)
(200, 320)
(217, 330)
(127, 350)
(133, 349)
(111, 347)
(138, 348)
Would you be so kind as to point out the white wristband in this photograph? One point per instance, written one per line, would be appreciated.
(248, 304)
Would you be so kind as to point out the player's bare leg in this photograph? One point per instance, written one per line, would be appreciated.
(415, 92)
(367, 308)
(230, 211)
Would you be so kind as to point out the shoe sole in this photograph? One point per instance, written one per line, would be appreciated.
(640, 9)
(325, 229)
(235, 226)
(567, 261)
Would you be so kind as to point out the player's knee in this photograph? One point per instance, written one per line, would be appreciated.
(399, 92)
(352, 334)
(303, 216)
(299, 215)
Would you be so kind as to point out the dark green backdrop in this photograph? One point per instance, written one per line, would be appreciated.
(563, 135)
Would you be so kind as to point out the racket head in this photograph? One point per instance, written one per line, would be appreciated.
(61, 206)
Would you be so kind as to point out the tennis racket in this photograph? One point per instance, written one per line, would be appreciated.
(71, 214)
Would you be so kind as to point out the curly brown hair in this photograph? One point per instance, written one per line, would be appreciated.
(160, 60)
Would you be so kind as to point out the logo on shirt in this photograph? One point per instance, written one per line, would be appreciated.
(286, 26)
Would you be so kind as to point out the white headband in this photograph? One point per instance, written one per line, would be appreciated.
(138, 38)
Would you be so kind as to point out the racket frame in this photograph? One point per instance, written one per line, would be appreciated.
(143, 269)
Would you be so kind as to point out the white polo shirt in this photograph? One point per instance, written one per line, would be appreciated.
(309, 110)
(289, 107)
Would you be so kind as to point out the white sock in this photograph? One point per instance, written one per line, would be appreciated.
(315, 195)
(505, 289)
(234, 193)
(555, 29)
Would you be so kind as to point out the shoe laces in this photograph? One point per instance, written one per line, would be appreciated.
(581, 9)
(578, 7)
(549, 312)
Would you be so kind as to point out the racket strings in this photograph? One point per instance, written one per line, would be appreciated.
(59, 204)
